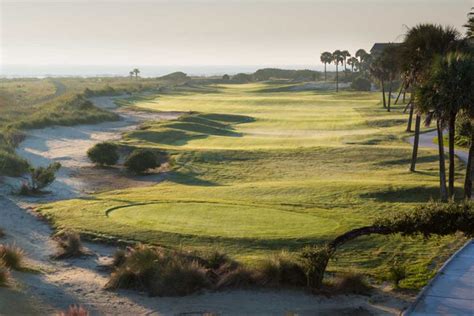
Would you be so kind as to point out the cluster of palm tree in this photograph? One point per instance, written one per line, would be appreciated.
(437, 66)
(134, 72)
(359, 62)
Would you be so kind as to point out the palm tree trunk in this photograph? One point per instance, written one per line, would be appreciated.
(415, 143)
(469, 171)
(399, 93)
(410, 117)
(325, 76)
(442, 167)
(389, 95)
(383, 94)
(404, 93)
(337, 79)
(452, 122)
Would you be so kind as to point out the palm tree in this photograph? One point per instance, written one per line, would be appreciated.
(131, 74)
(326, 58)
(421, 44)
(390, 63)
(470, 24)
(361, 53)
(378, 71)
(136, 71)
(337, 57)
(449, 89)
(353, 62)
(345, 55)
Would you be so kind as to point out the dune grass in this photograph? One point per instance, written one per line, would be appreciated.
(257, 172)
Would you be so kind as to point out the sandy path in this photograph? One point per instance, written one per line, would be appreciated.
(81, 281)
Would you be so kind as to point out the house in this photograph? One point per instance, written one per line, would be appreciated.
(378, 48)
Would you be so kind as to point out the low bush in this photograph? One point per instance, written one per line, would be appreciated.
(397, 273)
(140, 161)
(11, 256)
(352, 283)
(282, 270)
(159, 272)
(315, 260)
(70, 245)
(11, 164)
(75, 310)
(4, 274)
(361, 84)
(40, 178)
(241, 277)
(104, 154)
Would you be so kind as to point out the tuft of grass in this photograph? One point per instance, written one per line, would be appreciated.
(70, 245)
(160, 273)
(241, 277)
(4, 275)
(11, 256)
(119, 258)
(352, 283)
(75, 310)
(282, 269)
(397, 272)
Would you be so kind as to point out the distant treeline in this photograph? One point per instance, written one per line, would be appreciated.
(274, 73)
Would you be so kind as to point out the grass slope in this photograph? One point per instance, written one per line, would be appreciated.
(256, 172)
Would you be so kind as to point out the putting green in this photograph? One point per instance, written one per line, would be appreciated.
(223, 220)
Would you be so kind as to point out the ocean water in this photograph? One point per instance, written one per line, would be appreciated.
(30, 71)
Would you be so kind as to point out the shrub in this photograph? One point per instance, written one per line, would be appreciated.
(397, 273)
(361, 84)
(119, 258)
(11, 164)
(11, 256)
(159, 272)
(41, 177)
(352, 283)
(315, 260)
(4, 274)
(237, 278)
(282, 270)
(70, 244)
(140, 161)
(103, 154)
(75, 310)
(432, 218)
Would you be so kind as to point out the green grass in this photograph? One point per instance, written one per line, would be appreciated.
(257, 172)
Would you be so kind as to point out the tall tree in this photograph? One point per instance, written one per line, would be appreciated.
(470, 24)
(326, 58)
(337, 58)
(353, 62)
(361, 53)
(131, 73)
(136, 71)
(390, 63)
(345, 55)
(422, 43)
(450, 88)
(378, 72)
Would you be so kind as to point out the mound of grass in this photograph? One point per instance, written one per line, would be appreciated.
(4, 274)
(75, 310)
(282, 269)
(352, 283)
(11, 256)
(70, 245)
(159, 272)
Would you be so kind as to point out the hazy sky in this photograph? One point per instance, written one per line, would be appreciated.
(225, 32)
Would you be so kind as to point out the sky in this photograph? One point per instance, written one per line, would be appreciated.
(207, 32)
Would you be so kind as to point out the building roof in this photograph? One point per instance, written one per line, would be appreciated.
(378, 48)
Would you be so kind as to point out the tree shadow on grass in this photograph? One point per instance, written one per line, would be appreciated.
(407, 195)
(188, 178)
